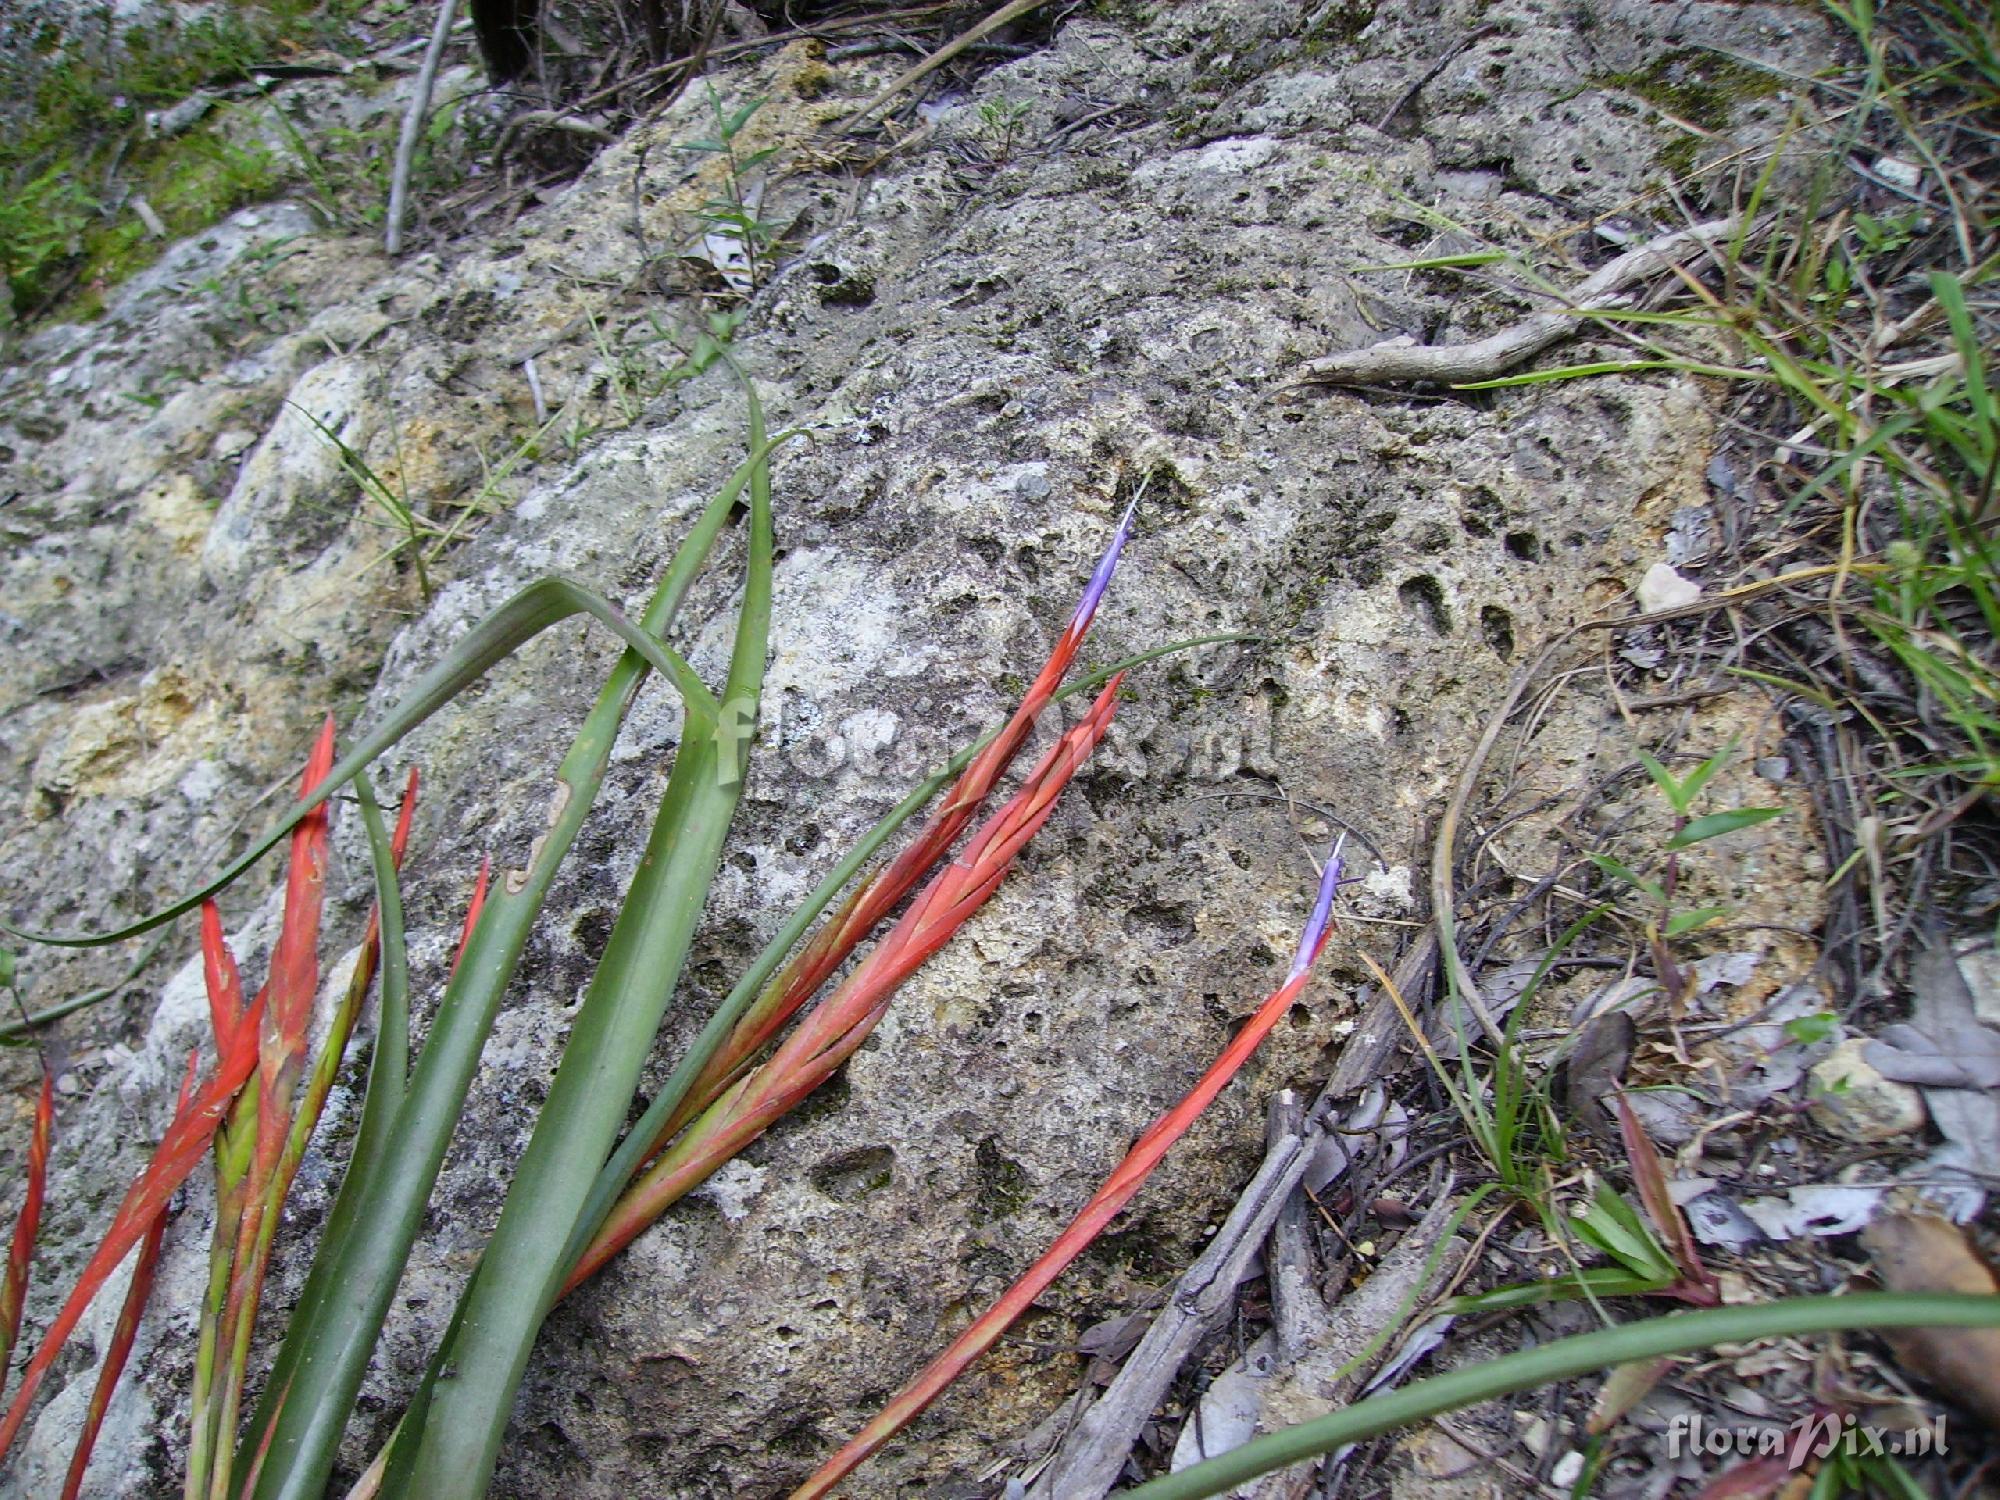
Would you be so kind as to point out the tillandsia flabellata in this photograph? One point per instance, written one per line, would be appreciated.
(877, 895)
(871, 901)
(1103, 1207)
(247, 1036)
(840, 1023)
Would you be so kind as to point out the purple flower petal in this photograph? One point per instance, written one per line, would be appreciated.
(1101, 579)
(1309, 940)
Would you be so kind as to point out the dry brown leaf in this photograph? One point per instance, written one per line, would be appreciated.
(1923, 1253)
(1624, 1388)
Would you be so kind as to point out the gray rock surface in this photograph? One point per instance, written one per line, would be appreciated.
(990, 349)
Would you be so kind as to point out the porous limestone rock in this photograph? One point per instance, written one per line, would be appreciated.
(992, 345)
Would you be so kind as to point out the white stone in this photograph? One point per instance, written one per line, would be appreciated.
(1663, 588)
(1852, 1099)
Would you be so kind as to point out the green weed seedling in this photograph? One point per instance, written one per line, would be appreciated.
(1000, 122)
(392, 501)
(741, 241)
(1663, 920)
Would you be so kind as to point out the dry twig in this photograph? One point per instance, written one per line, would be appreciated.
(413, 125)
(1399, 360)
(1013, 11)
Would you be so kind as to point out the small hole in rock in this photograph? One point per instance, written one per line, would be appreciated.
(1424, 595)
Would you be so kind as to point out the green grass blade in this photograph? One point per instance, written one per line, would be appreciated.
(525, 1262)
(1950, 293)
(546, 602)
(1564, 1359)
(1470, 258)
(331, 1338)
(22, 1025)
(1571, 372)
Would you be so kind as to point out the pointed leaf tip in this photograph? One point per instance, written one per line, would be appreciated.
(320, 761)
(1314, 936)
(1100, 580)
(219, 974)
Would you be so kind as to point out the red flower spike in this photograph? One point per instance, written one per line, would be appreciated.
(1109, 1200)
(841, 1022)
(287, 1000)
(14, 1291)
(137, 1295)
(294, 977)
(472, 910)
(879, 894)
(218, 972)
(264, 1032)
(180, 1151)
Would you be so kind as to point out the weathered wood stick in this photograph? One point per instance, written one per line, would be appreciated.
(413, 125)
(1398, 360)
(916, 74)
(1089, 1461)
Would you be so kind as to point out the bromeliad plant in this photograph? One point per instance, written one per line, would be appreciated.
(569, 1208)
(1093, 1218)
(245, 1108)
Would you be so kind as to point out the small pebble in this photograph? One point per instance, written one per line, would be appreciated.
(1903, 174)
(1663, 588)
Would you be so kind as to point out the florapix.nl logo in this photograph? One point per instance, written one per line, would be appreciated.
(1819, 1435)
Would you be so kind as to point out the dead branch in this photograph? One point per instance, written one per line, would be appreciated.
(1399, 360)
(1013, 11)
(413, 125)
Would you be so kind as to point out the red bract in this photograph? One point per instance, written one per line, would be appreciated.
(136, 1297)
(286, 1004)
(1696, 1285)
(180, 1152)
(879, 894)
(841, 1022)
(1103, 1207)
(472, 910)
(240, 1033)
(15, 1289)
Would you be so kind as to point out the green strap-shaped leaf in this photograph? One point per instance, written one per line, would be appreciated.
(450, 1455)
(546, 602)
(1564, 1359)
(332, 1332)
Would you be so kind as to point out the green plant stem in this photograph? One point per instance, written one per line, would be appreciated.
(389, 1063)
(232, 1173)
(388, 1071)
(1564, 1359)
(333, 1331)
(22, 1025)
(456, 1446)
